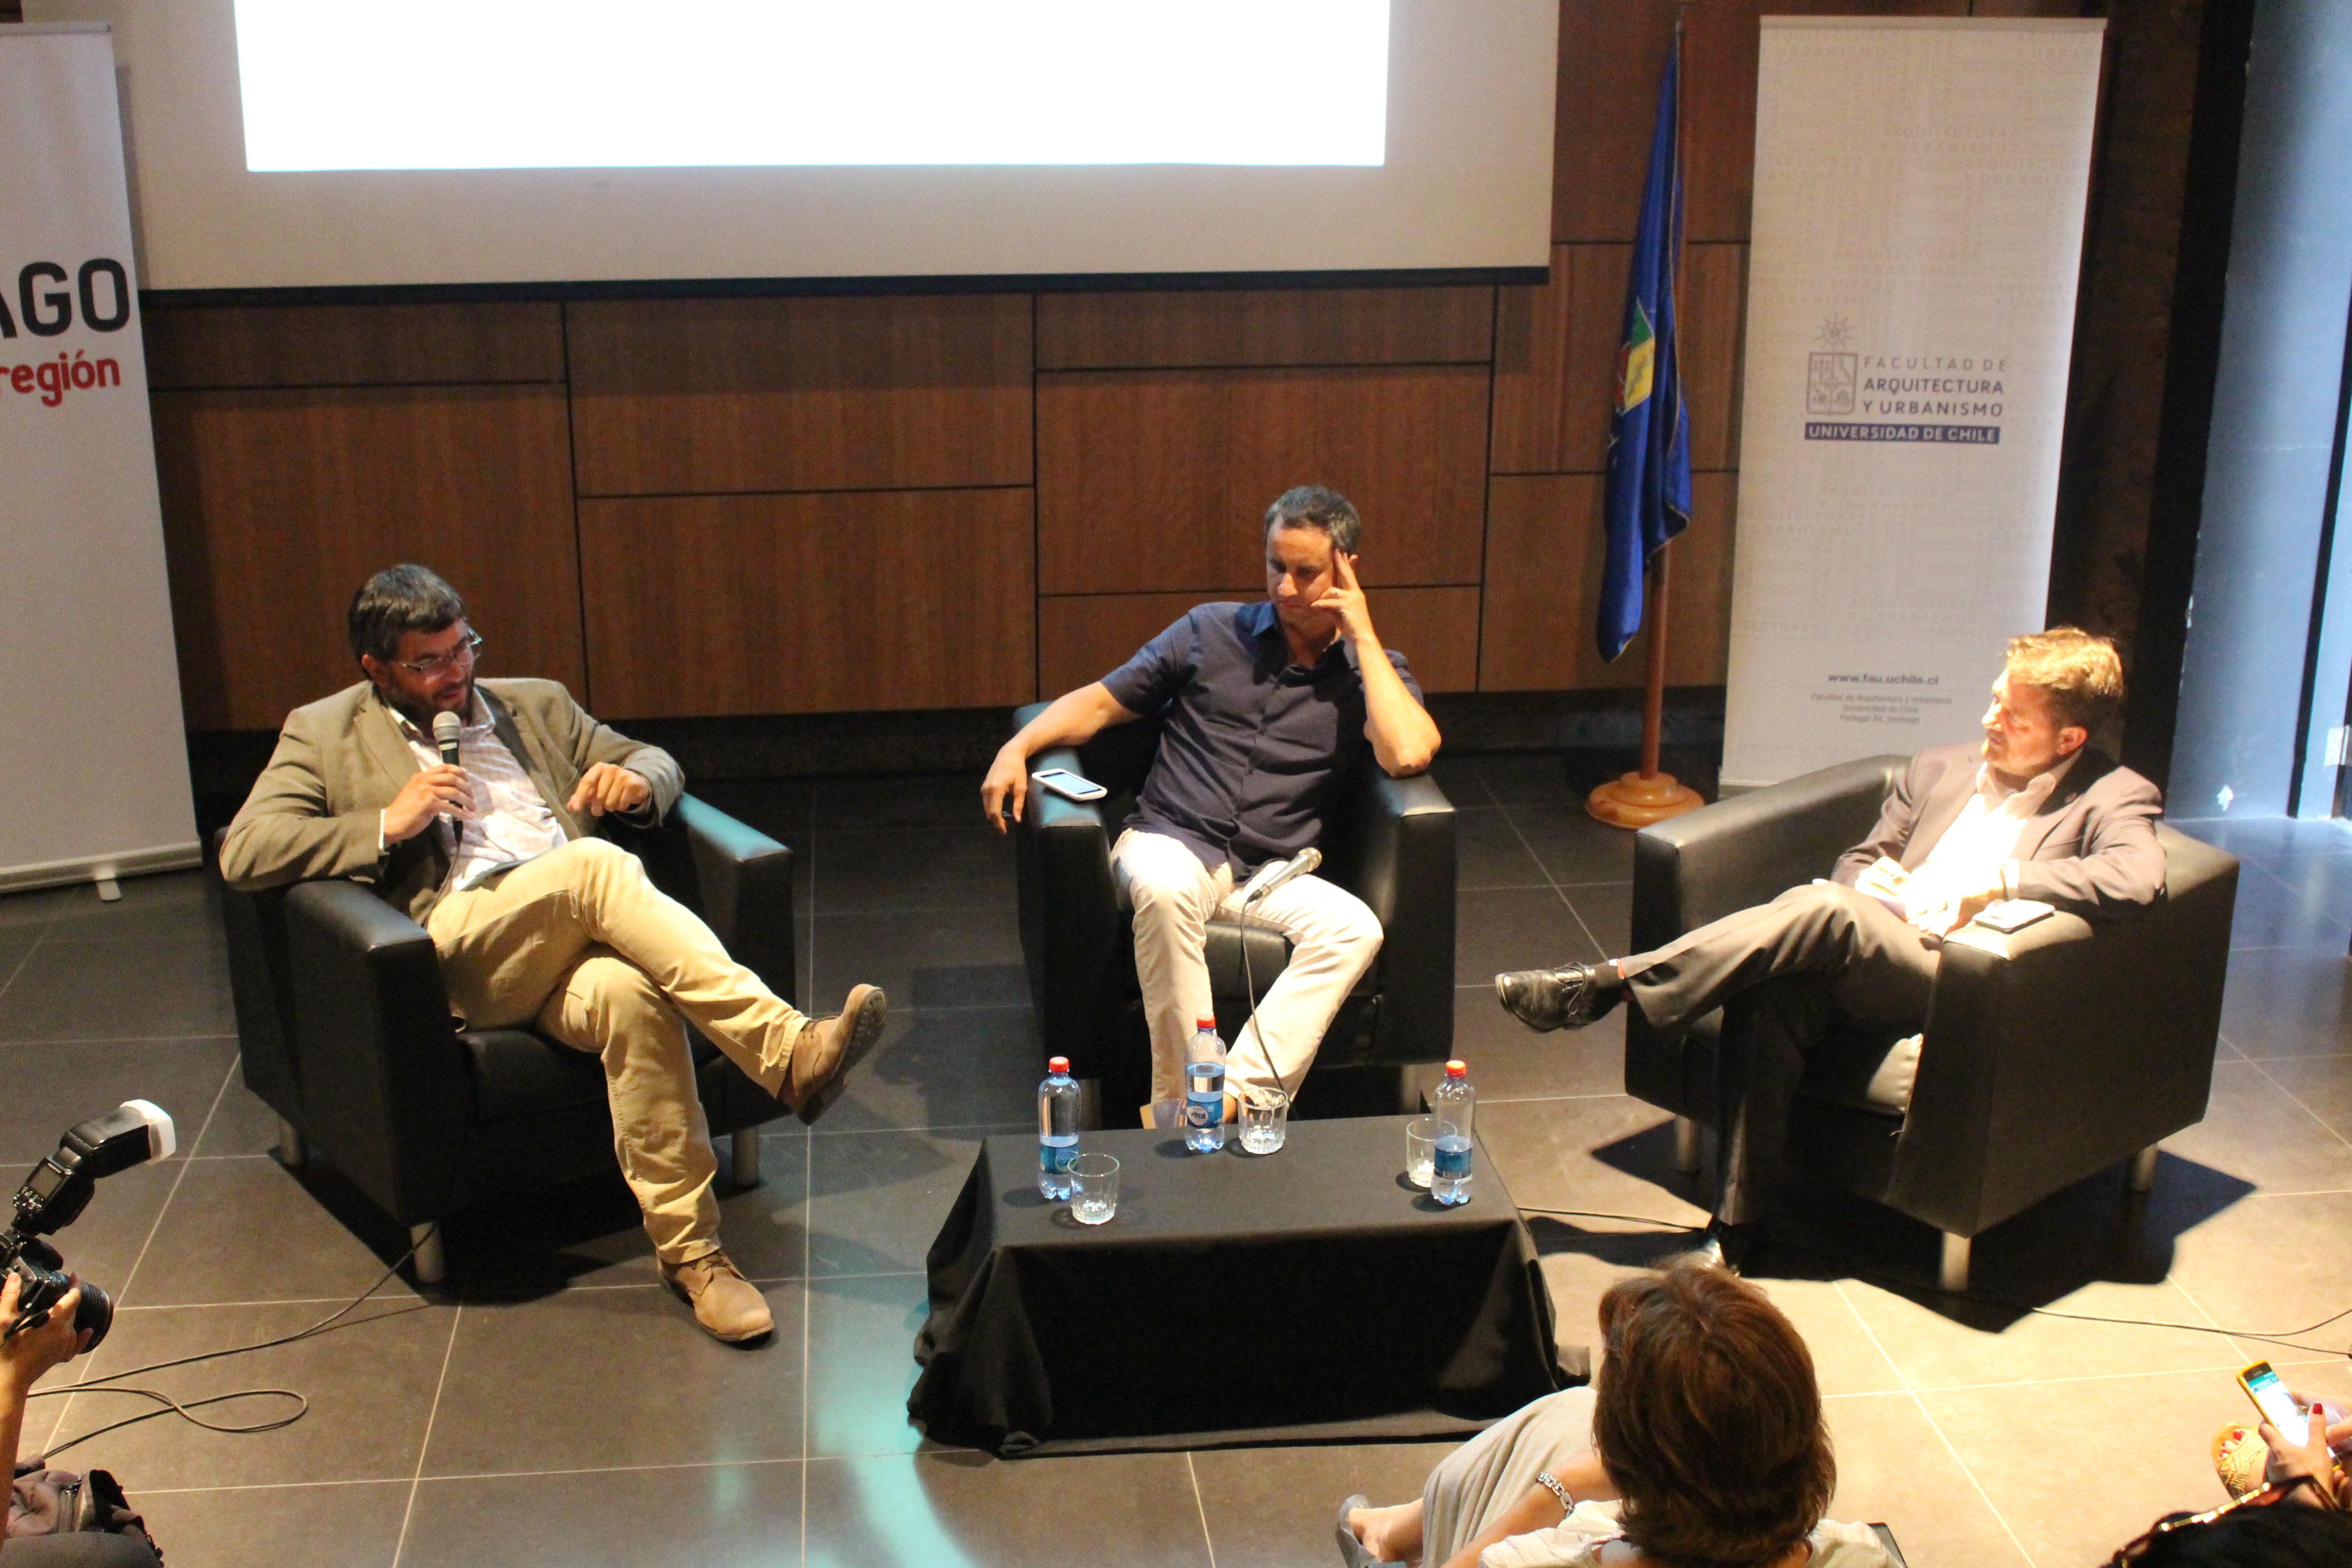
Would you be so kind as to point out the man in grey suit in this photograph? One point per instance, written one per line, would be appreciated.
(2029, 813)
(537, 921)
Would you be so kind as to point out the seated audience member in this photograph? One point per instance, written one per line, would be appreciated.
(538, 923)
(1703, 1424)
(2246, 1458)
(42, 1510)
(2281, 1526)
(2032, 812)
(1271, 705)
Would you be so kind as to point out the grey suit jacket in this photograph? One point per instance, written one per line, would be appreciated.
(2091, 848)
(314, 812)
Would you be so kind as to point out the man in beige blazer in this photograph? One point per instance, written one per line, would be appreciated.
(537, 921)
(2028, 812)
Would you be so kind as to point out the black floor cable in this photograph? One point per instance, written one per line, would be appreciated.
(184, 1409)
(2285, 1337)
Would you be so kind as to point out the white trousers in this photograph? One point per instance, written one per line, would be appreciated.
(1334, 939)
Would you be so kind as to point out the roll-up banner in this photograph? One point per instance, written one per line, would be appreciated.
(93, 754)
(1917, 232)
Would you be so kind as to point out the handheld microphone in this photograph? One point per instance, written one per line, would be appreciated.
(1269, 878)
(445, 729)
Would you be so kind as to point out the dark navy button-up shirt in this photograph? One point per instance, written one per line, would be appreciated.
(1253, 745)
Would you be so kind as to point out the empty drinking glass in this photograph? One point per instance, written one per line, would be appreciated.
(1420, 1136)
(1266, 1119)
(1094, 1188)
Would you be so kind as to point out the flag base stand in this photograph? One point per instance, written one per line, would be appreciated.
(1635, 800)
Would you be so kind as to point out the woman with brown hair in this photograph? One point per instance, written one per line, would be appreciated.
(1703, 1425)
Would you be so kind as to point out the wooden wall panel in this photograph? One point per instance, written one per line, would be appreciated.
(810, 604)
(353, 345)
(1263, 326)
(276, 506)
(1556, 363)
(1084, 637)
(690, 397)
(1555, 358)
(1545, 547)
(1713, 303)
(1154, 481)
(1610, 55)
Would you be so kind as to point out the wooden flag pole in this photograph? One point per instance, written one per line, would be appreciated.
(1649, 793)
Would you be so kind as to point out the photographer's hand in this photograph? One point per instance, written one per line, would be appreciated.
(24, 1356)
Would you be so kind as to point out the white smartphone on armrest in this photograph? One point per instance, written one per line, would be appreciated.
(1067, 785)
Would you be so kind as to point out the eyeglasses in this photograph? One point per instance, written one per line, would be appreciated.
(2276, 1491)
(459, 657)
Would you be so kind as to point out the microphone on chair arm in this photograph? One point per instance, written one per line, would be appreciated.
(1265, 881)
(446, 728)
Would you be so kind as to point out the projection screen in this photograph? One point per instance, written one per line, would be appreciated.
(328, 143)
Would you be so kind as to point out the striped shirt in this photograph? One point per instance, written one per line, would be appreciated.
(513, 822)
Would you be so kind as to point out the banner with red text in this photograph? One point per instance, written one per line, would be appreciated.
(1917, 234)
(93, 755)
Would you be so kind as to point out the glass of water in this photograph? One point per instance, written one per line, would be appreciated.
(1266, 1119)
(1094, 1188)
(1420, 1136)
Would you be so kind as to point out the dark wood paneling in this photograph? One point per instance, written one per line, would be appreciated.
(1610, 55)
(810, 604)
(1437, 630)
(277, 505)
(1155, 481)
(1556, 363)
(1263, 326)
(688, 397)
(1544, 551)
(1555, 358)
(1084, 637)
(1713, 303)
(353, 345)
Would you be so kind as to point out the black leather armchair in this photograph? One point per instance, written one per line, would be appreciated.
(345, 1031)
(1391, 846)
(2048, 1053)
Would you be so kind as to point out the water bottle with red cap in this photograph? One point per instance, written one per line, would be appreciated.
(1453, 1100)
(1057, 1129)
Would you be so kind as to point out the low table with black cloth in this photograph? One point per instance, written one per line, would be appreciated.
(1304, 1296)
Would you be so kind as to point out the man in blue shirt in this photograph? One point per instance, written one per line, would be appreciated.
(1269, 705)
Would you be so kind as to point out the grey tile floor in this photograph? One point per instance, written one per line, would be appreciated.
(555, 1406)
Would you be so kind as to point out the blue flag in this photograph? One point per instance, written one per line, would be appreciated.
(1648, 496)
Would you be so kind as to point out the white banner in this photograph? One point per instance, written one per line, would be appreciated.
(95, 766)
(1918, 231)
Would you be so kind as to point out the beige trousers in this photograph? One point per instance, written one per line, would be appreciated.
(580, 945)
(1334, 936)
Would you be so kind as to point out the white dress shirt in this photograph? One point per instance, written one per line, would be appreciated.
(1982, 840)
(512, 823)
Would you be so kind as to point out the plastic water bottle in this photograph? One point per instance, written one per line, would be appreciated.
(1204, 1090)
(1057, 1129)
(1457, 1102)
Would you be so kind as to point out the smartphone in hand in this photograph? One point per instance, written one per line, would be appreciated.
(2278, 1406)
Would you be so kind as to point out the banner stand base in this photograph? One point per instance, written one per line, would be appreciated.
(1634, 801)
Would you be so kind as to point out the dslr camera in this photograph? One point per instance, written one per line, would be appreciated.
(56, 1192)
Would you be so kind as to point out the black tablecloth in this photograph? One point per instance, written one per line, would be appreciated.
(1304, 1296)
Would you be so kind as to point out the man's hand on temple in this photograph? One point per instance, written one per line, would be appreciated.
(441, 790)
(609, 790)
(1005, 791)
(1345, 599)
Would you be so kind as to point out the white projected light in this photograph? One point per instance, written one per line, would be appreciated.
(593, 84)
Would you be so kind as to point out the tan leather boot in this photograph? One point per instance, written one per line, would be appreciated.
(826, 1049)
(728, 1306)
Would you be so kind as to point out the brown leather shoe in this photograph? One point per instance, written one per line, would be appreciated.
(829, 1048)
(728, 1306)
